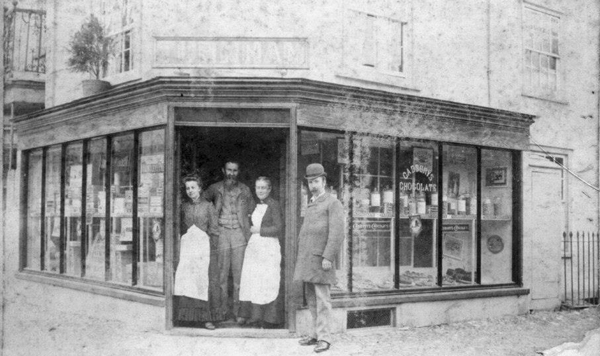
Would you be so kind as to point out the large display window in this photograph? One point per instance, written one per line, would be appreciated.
(73, 212)
(331, 150)
(121, 209)
(34, 209)
(419, 214)
(95, 212)
(497, 216)
(151, 186)
(418, 203)
(373, 184)
(52, 210)
(459, 213)
(101, 203)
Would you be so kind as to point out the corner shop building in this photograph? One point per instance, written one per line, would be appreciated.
(432, 191)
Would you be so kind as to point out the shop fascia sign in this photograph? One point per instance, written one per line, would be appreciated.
(231, 52)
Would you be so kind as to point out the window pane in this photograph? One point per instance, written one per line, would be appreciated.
(369, 49)
(496, 220)
(544, 59)
(127, 51)
(52, 238)
(459, 213)
(73, 201)
(552, 81)
(34, 210)
(535, 59)
(372, 222)
(418, 185)
(331, 150)
(121, 203)
(546, 45)
(552, 63)
(541, 37)
(150, 208)
(354, 38)
(95, 218)
(389, 45)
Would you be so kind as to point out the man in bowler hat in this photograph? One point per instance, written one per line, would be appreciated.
(320, 240)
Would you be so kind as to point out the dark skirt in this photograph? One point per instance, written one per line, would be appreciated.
(196, 312)
(271, 313)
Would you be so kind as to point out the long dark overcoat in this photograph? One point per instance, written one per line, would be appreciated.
(321, 236)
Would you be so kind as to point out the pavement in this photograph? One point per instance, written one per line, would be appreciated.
(545, 333)
(46, 320)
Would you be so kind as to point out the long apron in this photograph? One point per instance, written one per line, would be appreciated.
(261, 272)
(191, 277)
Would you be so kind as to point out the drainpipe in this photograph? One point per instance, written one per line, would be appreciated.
(488, 28)
(598, 129)
(12, 136)
(2, 239)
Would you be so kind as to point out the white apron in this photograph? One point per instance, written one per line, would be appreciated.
(260, 279)
(191, 277)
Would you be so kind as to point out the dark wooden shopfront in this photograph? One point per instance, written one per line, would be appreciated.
(273, 125)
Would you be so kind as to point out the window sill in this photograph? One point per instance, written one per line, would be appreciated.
(546, 98)
(349, 301)
(373, 76)
(122, 78)
(95, 287)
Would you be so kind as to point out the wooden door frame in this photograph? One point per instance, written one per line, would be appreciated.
(172, 189)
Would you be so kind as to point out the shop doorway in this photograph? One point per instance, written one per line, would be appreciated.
(203, 151)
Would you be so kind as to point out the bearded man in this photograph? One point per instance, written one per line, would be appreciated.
(233, 202)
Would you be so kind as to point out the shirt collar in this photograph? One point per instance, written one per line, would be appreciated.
(314, 199)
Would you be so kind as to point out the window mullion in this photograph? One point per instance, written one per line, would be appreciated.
(63, 232)
(43, 213)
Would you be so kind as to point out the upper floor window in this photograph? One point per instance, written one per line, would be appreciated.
(542, 56)
(374, 41)
(120, 18)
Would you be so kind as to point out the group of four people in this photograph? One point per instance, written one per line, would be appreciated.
(225, 230)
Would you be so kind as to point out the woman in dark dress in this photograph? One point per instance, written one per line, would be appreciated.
(199, 212)
(260, 285)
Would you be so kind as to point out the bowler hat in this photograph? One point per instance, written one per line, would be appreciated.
(315, 170)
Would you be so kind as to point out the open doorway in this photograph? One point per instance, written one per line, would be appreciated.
(203, 151)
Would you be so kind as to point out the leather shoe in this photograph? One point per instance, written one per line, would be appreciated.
(322, 346)
(307, 341)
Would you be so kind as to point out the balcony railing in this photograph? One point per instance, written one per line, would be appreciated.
(24, 41)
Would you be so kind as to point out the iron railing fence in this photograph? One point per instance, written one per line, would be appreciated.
(581, 264)
(24, 40)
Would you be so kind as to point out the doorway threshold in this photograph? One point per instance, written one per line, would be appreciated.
(234, 332)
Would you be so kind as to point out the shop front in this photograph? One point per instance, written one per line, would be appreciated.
(431, 191)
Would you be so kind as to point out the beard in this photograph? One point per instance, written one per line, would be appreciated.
(230, 179)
